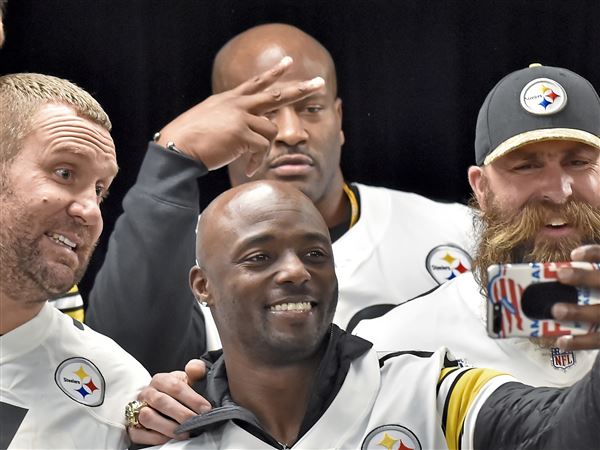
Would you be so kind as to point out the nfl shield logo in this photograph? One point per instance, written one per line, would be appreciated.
(562, 360)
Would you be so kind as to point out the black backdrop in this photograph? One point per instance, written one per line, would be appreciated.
(412, 73)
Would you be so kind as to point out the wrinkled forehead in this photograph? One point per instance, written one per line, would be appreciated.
(57, 121)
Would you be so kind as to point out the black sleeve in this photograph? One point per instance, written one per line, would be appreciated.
(141, 296)
(517, 416)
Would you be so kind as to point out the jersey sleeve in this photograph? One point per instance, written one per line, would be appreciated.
(519, 416)
(485, 409)
(460, 393)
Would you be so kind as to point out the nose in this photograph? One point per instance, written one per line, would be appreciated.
(85, 209)
(291, 270)
(556, 185)
(290, 127)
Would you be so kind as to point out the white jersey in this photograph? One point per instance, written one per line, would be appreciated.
(64, 386)
(454, 315)
(395, 406)
(402, 246)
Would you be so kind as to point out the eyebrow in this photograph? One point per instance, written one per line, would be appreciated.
(316, 97)
(269, 237)
(77, 151)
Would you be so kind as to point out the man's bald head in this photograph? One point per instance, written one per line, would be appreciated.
(248, 201)
(266, 270)
(261, 47)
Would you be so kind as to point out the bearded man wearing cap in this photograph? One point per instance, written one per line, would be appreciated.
(536, 192)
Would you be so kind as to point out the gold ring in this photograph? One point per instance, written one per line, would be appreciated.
(132, 413)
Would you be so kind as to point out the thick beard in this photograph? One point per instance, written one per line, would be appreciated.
(512, 238)
(25, 274)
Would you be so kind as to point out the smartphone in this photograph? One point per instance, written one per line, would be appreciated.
(520, 298)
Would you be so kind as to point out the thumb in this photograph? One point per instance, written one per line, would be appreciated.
(255, 161)
(195, 370)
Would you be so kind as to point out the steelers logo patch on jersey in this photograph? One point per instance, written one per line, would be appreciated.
(543, 96)
(81, 380)
(391, 437)
(446, 262)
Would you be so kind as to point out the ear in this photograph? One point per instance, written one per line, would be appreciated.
(199, 285)
(477, 182)
(338, 111)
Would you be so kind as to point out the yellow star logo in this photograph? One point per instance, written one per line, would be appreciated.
(449, 258)
(81, 373)
(387, 441)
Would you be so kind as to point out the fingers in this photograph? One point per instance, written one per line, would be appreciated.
(264, 131)
(265, 79)
(170, 401)
(274, 98)
(580, 342)
(582, 277)
(262, 126)
(146, 437)
(590, 253)
(578, 313)
(579, 277)
(172, 396)
(157, 426)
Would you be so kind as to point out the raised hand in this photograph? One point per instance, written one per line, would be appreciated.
(583, 313)
(227, 125)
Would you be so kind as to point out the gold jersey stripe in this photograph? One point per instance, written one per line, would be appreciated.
(73, 290)
(70, 303)
(460, 398)
(354, 207)
(76, 314)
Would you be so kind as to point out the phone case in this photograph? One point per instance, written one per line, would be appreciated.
(508, 283)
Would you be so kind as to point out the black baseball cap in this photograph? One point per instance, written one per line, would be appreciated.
(539, 103)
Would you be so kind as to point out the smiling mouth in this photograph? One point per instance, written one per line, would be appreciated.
(557, 229)
(62, 240)
(556, 223)
(292, 306)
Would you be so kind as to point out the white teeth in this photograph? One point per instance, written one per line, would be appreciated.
(557, 223)
(302, 306)
(63, 240)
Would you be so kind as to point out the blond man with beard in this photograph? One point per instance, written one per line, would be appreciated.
(61, 383)
(537, 197)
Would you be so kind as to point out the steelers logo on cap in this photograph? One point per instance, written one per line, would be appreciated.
(543, 96)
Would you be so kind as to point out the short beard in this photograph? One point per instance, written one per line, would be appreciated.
(25, 274)
(510, 238)
(285, 352)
